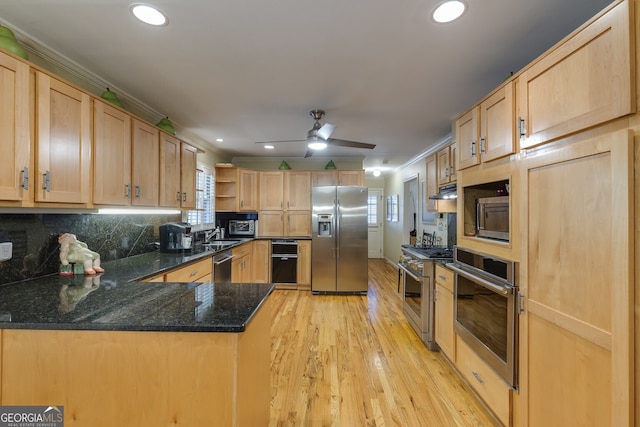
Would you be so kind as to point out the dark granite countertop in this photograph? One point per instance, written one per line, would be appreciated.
(116, 301)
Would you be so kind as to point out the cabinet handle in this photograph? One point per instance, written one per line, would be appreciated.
(478, 377)
(127, 191)
(138, 191)
(280, 204)
(194, 272)
(25, 178)
(435, 295)
(440, 276)
(241, 203)
(46, 185)
(482, 142)
(522, 128)
(184, 196)
(473, 148)
(178, 196)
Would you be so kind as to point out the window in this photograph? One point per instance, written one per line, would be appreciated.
(372, 209)
(205, 213)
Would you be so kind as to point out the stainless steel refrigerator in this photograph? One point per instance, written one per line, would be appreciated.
(339, 252)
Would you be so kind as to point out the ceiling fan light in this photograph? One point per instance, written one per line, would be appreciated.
(449, 11)
(317, 145)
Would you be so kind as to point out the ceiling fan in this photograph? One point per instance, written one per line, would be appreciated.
(319, 137)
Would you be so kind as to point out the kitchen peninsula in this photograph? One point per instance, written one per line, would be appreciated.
(114, 350)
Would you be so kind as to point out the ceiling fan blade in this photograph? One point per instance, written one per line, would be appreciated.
(284, 140)
(353, 144)
(309, 153)
(326, 130)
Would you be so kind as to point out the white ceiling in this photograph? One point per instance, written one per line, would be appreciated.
(251, 70)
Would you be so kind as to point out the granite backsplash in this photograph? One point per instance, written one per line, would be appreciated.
(35, 239)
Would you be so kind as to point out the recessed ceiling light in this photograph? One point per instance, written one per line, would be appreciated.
(449, 11)
(149, 14)
(269, 147)
(376, 172)
(219, 140)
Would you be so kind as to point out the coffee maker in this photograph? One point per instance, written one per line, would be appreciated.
(175, 236)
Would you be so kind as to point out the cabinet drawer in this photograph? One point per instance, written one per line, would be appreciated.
(444, 277)
(242, 250)
(489, 386)
(191, 272)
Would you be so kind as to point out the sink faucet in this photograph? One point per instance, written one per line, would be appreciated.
(208, 234)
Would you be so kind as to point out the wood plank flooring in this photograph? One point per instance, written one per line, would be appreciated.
(349, 360)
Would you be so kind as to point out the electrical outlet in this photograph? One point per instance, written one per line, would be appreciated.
(6, 249)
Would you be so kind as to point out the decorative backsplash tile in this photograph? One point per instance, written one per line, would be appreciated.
(35, 239)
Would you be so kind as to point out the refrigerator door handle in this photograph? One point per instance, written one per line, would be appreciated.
(339, 214)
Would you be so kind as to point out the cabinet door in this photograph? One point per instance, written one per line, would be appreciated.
(145, 172)
(188, 165)
(15, 138)
(303, 271)
(467, 139)
(443, 167)
(445, 336)
(271, 224)
(430, 183)
(297, 223)
(64, 142)
(578, 281)
(112, 152)
(497, 129)
(261, 261)
(271, 190)
(248, 197)
(586, 81)
(297, 190)
(170, 194)
(324, 178)
(453, 162)
(351, 177)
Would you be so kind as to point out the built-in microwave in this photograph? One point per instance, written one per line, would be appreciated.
(492, 217)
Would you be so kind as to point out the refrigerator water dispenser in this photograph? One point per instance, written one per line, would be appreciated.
(324, 225)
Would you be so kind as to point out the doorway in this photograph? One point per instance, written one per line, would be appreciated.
(374, 220)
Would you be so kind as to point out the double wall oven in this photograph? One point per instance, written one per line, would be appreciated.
(418, 270)
(487, 308)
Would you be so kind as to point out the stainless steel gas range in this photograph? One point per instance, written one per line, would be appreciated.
(417, 265)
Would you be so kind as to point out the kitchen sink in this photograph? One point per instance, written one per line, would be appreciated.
(220, 244)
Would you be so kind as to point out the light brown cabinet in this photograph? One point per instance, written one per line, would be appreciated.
(321, 178)
(291, 190)
(430, 184)
(63, 126)
(226, 188)
(177, 174)
(126, 159)
(303, 271)
(261, 261)
(444, 308)
(199, 271)
(241, 264)
(248, 190)
(446, 165)
(16, 182)
(585, 81)
(487, 131)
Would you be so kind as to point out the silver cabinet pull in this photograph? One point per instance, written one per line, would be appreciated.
(522, 128)
(127, 191)
(47, 181)
(138, 192)
(184, 196)
(178, 196)
(478, 377)
(25, 178)
(482, 143)
(473, 148)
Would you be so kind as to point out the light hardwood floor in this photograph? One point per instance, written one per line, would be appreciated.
(348, 360)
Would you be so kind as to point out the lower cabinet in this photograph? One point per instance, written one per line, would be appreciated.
(241, 264)
(492, 390)
(261, 261)
(304, 265)
(199, 271)
(445, 336)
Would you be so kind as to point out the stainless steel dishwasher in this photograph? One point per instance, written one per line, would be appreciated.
(222, 267)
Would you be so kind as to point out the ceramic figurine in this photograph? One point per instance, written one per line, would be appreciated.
(73, 251)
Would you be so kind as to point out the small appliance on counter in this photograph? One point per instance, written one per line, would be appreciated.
(242, 228)
(175, 236)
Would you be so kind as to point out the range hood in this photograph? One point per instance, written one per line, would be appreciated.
(446, 192)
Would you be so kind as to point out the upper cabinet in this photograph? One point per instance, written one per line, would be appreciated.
(585, 81)
(177, 171)
(63, 142)
(145, 155)
(487, 131)
(272, 190)
(297, 190)
(446, 165)
(15, 138)
(285, 203)
(249, 185)
(325, 177)
(430, 186)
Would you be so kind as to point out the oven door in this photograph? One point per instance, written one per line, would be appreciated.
(485, 318)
